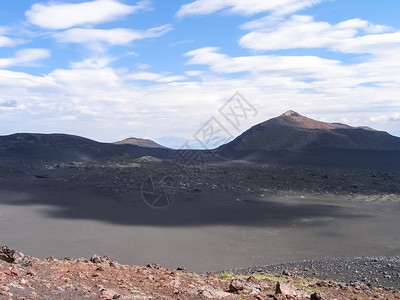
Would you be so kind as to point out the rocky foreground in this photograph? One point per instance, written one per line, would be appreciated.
(25, 277)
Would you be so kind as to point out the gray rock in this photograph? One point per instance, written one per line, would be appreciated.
(14, 256)
(96, 259)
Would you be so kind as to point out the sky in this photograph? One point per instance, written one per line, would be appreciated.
(166, 70)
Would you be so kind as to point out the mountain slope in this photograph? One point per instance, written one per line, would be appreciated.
(294, 139)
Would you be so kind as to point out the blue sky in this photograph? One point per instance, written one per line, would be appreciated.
(109, 69)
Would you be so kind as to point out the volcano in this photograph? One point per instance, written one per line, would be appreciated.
(140, 142)
(298, 140)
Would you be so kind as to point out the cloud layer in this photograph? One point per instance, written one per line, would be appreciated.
(55, 15)
(25, 57)
(249, 7)
(117, 36)
(350, 36)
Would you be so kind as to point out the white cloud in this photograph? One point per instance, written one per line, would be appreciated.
(25, 57)
(56, 15)
(310, 74)
(245, 7)
(386, 117)
(12, 109)
(86, 79)
(92, 63)
(16, 80)
(68, 118)
(296, 66)
(6, 41)
(149, 76)
(351, 36)
(167, 79)
(118, 36)
(194, 73)
(143, 66)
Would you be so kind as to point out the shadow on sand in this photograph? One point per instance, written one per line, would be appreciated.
(205, 208)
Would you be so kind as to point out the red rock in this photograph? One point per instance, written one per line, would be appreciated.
(211, 293)
(12, 273)
(285, 290)
(236, 285)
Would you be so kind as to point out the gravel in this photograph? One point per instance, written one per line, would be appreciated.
(373, 271)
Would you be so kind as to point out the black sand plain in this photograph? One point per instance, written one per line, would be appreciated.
(222, 216)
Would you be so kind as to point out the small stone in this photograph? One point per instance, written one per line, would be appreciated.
(284, 289)
(99, 259)
(151, 277)
(236, 285)
(211, 293)
(5, 289)
(109, 294)
(114, 264)
(153, 266)
(316, 296)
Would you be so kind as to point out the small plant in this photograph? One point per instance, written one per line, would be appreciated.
(225, 276)
(270, 277)
(304, 285)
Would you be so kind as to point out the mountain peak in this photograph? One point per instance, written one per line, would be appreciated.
(139, 142)
(293, 118)
(291, 113)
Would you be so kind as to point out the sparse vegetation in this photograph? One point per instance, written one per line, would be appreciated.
(307, 286)
(225, 276)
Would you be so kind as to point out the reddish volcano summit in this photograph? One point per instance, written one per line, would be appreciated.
(139, 142)
(295, 119)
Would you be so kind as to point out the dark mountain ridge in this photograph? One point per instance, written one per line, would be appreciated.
(294, 132)
(64, 148)
(290, 140)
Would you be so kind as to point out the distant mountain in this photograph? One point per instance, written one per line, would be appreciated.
(63, 147)
(139, 142)
(290, 140)
(295, 139)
